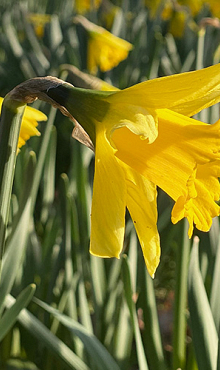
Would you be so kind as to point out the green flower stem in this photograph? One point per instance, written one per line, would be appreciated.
(179, 330)
(10, 121)
(59, 94)
(82, 104)
(11, 116)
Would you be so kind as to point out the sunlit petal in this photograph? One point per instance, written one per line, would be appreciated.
(108, 203)
(34, 114)
(183, 145)
(136, 118)
(29, 124)
(142, 205)
(185, 93)
(105, 50)
(199, 205)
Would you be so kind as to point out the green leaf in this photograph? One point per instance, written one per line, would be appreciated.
(42, 155)
(151, 336)
(10, 316)
(179, 332)
(16, 242)
(214, 295)
(46, 338)
(49, 176)
(204, 333)
(10, 122)
(98, 353)
(15, 364)
(142, 362)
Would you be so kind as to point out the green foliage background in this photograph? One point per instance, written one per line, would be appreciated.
(84, 312)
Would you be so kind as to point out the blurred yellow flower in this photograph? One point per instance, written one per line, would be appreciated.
(179, 13)
(195, 6)
(177, 23)
(214, 7)
(29, 124)
(153, 6)
(144, 138)
(105, 50)
(39, 21)
(83, 6)
(108, 14)
(192, 7)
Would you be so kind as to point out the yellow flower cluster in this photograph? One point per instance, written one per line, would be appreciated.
(180, 13)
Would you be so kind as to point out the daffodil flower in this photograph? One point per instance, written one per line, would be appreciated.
(195, 6)
(144, 138)
(105, 50)
(214, 7)
(39, 21)
(29, 124)
(83, 6)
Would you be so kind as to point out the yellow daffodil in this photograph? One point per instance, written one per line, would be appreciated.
(29, 124)
(179, 14)
(83, 6)
(105, 50)
(144, 138)
(214, 7)
(177, 23)
(39, 21)
(109, 12)
(195, 6)
(153, 6)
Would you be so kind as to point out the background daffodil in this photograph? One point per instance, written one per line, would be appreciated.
(39, 22)
(105, 50)
(148, 128)
(83, 6)
(29, 124)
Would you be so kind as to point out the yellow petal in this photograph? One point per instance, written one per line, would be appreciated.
(142, 205)
(29, 124)
(105, 50)
(185, 93)
(83, 6)
(32, 113)
(178, 23)
(136, 118)
(200, 208)
(153, 6)
(183, 144)
(28, 129)
(108, 203)
(194, 5)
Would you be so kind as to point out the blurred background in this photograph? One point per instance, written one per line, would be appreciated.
(87, 312)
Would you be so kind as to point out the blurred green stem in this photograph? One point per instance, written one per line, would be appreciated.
(179, 329)
(151, 335)
(200, 48)
(10, 121)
